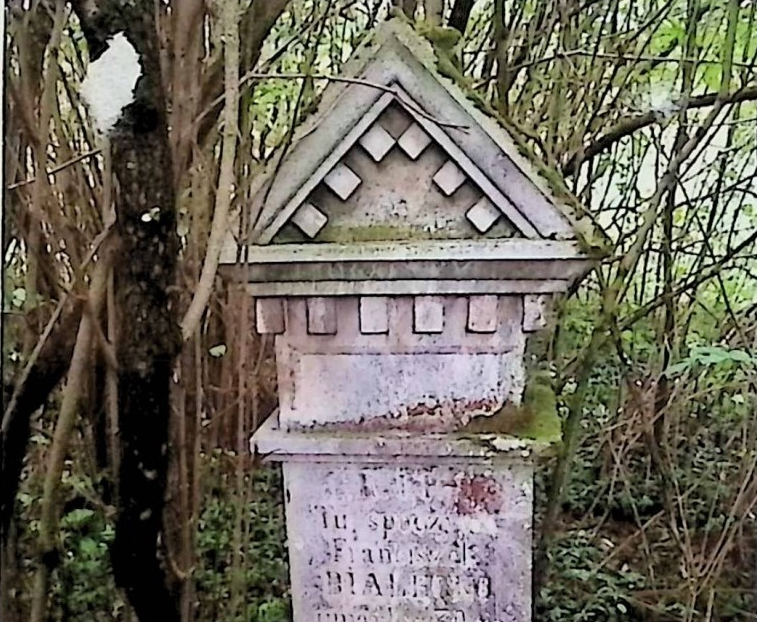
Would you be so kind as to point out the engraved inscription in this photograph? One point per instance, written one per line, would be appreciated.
(431, 544)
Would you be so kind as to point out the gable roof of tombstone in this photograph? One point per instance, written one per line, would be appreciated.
(397, 66)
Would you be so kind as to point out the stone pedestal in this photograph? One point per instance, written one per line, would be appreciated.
(397, 527)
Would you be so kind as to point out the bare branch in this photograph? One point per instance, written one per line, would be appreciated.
(230, 19)
(628, 126)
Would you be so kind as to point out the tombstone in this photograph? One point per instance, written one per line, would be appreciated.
(400, 253)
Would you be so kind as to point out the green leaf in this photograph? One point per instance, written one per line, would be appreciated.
(217, 351)
(88, 547)
(18, 297)
(678, 368)
(78, 517)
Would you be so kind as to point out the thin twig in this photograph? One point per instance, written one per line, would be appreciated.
(624, 57)
(626, 127)
(56, 169)
(49, 329)
(253, 75)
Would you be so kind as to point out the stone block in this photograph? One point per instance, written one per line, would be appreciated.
(482, 314)
(483, 215)
(342, 181)
(414, 141)
(374, 315)
(321, 316)
(309, 219)
(449, 178)
(428, 314)
(269, 316)
(377, 142)
(535, 309)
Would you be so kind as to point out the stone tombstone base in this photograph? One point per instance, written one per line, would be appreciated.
(401, 528)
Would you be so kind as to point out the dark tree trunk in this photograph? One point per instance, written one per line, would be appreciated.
(460, 14)
(149, 336)
(51, 365)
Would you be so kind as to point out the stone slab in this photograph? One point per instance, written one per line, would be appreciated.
(427, 543)
(395, 446)
(409, 287)
(414, 391)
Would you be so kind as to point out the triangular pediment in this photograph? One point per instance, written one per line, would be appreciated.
(397, 152)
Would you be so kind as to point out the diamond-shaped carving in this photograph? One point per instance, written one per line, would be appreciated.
(483, 215)
(377, 142)
(414, 141)
(342, 181)
(309, 219)
(449, 178)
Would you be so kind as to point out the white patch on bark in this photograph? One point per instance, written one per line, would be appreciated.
(110, 81)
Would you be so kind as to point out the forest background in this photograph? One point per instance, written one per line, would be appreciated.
(645, 107)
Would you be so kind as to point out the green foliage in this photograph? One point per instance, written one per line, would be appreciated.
(264, 569)
(85, 588)
(708, 356)
(580, 590)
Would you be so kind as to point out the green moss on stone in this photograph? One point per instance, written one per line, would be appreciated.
(367, 233)
(539, 399)
(444, 48)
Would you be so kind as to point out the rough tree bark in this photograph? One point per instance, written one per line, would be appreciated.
(149, 338)
(460, 14)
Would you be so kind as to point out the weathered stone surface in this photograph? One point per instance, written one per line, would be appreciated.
(397, 198)
(309, 219)
(342, 181)
(411, 276)
(535, 311)
(433, 542)
(269, 316)
(449, 178)
(429, 262)
(377, 142)
(322, 318)
(402, 379)
(482, 314)
(406, 287)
